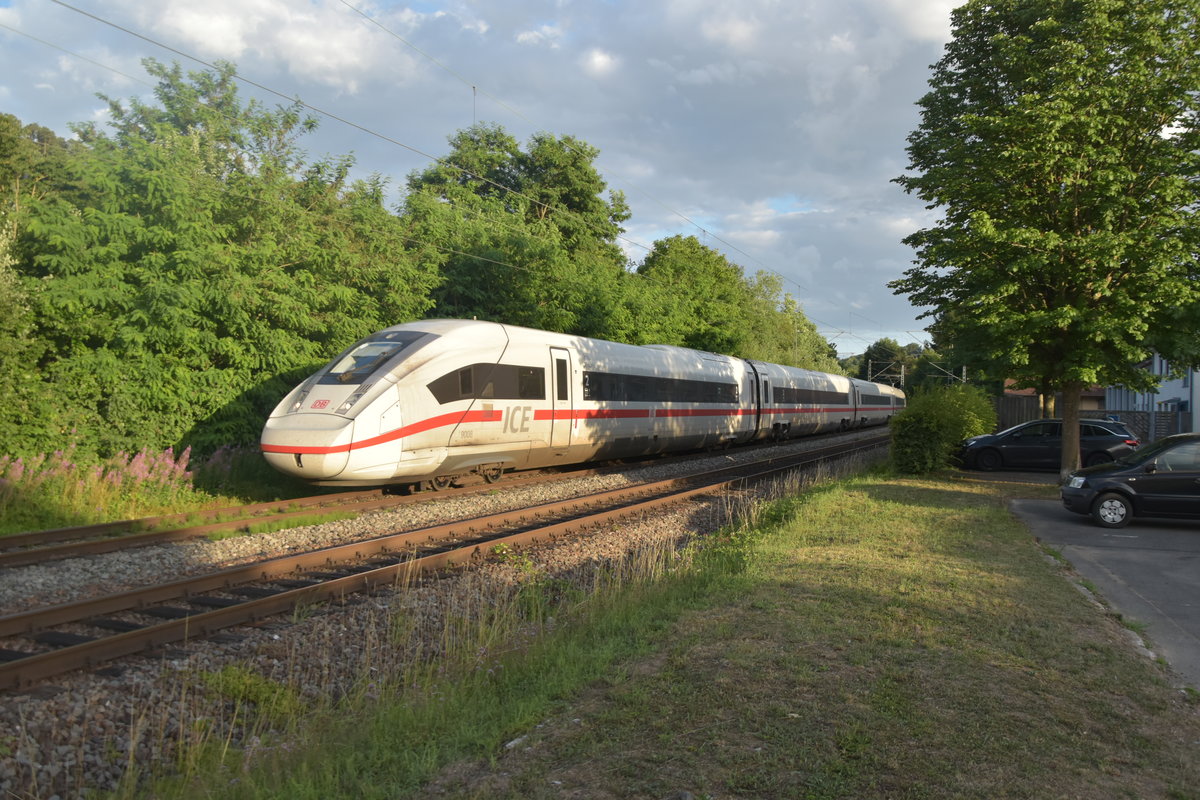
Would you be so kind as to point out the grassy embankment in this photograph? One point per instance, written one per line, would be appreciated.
(879, 637)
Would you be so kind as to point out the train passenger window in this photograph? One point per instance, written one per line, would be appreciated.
(647, 389)
(531, 383)
(491, 382)
(560, 378)
(793, 396)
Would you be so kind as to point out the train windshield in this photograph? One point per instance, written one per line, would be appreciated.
(365, 358)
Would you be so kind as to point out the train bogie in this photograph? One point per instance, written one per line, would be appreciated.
(442, 398)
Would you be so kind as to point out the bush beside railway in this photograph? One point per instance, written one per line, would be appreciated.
(926, 434)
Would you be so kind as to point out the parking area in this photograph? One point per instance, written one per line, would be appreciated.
(1149, 572)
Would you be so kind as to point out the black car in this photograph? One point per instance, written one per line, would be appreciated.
(1161, 479)
(1039, 444)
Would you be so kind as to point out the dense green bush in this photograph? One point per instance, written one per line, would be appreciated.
(927, 432)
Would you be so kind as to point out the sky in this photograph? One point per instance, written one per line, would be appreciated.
(770, 130)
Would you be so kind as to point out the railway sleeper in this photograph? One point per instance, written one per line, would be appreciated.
(112, 624)
(8, 656)
(168, 612)
(61, 638)
(206, 601)
(256, 592)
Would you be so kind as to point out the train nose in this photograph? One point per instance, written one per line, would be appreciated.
(308, 446)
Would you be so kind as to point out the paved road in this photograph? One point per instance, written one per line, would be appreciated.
(1149, 572)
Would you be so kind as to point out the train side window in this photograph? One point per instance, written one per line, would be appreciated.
(604, 386)
(491, 382)
(531, 383)
(560, 377)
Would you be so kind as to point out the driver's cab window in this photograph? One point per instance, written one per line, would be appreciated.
(1185, 458)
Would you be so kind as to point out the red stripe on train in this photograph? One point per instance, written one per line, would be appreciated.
(407, 430)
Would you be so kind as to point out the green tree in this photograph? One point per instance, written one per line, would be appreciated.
(1060, 144)
(778, 330)
(30, 161)
(885, 361)
(694, 297)
(31, 167)
(528, 237)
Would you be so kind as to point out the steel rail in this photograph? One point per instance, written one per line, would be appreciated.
(25, 671)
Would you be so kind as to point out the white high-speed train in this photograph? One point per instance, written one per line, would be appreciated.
(438, 399)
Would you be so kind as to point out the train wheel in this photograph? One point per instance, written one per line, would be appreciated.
(442, 482)
(491, 472)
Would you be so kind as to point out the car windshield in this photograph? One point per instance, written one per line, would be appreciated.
(1146, 452)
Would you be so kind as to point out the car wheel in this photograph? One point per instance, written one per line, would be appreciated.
(1112, 510)
(989, 460)
(1097, 458)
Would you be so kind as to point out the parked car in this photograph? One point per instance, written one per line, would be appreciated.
(1161, 479)
(1039, 444)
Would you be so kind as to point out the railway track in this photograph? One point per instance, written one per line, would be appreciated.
(48, 641)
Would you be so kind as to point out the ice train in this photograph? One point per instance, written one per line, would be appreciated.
(435, 400)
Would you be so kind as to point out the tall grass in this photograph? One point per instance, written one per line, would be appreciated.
(67, 488)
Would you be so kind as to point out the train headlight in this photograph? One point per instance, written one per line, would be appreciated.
(354, 398)
(301, 394)
(299, 401)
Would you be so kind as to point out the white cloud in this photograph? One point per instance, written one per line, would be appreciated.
(322, 42)
(928, 20)
(547, 35)
(731, 29)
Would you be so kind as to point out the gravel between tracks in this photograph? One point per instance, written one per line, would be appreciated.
(85, 729)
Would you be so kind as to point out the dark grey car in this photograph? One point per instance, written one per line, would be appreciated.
(1161, 479)
(1038, 444)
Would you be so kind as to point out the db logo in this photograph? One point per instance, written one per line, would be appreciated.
(319, 404)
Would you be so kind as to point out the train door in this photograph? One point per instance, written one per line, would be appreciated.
(756, 397)
(560, 398)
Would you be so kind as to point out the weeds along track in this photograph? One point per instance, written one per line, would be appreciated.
(48, 641)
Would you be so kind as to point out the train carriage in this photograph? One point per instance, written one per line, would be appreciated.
(441, 398)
